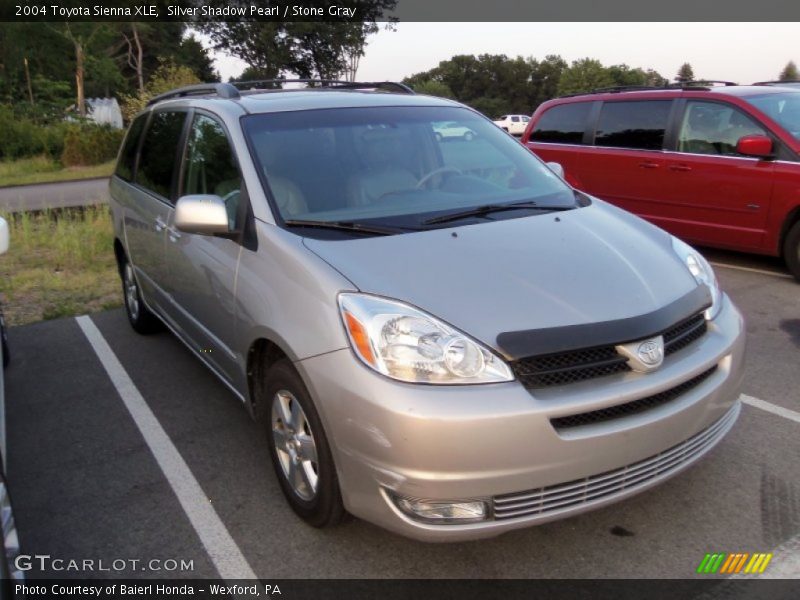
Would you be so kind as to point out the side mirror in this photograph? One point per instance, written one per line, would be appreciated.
(201, 213)
(556, 168)
(758, 146)
(3, 236)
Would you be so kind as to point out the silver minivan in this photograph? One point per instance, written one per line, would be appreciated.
(439, 334)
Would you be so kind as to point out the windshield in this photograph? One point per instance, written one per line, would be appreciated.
(783, 108)
(397, 166)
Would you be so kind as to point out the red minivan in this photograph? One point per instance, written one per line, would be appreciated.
(716, 166)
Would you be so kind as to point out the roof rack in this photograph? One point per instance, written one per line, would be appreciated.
(261, 84)
(223, 90)
(777, 82)
(703, 83)
(700, 84)
(231, 90)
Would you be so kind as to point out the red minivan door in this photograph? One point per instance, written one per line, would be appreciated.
(714, 195)
(626, 165)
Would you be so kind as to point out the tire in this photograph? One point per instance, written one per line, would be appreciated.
(438, 136)
(469, 136)
(4, 341)
(139, 316)
(791, 250)
(307, 478)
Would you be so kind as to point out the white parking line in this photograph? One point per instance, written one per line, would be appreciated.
(222, 549)
(786, 413)
(752, 270)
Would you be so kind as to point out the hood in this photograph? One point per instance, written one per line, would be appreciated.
(591, 265)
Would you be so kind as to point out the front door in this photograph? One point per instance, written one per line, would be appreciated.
(714, 195)
(202, 268)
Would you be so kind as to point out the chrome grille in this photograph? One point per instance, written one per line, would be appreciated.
(561, 497)
(577, 365)
(631, 408)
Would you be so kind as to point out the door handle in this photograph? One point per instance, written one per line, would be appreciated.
(680, 168)
(649, 165)
(174, 236)
(159, 225)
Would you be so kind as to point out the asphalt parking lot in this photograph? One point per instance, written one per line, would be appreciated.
(85, 484)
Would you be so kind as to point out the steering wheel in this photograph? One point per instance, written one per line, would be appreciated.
(428, 176)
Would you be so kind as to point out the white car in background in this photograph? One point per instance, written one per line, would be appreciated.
(446, 130)
(513, 124)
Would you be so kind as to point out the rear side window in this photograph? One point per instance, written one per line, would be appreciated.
(563, 124)
(159, 151)
(638, 125)
(127, 157)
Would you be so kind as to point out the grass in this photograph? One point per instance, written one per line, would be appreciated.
(41, 169)
(59, 264)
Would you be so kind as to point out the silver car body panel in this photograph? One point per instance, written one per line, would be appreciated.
(439, 442)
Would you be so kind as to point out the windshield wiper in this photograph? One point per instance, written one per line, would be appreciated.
(480, 211)
(344, 226)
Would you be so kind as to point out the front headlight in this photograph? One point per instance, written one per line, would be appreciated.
(702, 272)
(407, 344)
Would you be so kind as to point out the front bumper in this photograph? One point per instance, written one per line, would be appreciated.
(496, 442)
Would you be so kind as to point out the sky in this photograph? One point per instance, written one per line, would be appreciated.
(740, 52)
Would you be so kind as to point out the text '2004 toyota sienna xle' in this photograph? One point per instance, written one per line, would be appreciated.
(439, 335)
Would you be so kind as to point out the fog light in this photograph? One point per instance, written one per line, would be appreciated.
(436, 511)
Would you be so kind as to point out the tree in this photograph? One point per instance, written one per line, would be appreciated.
(321, 49)
(584, 75)
(166, 77)
(432, 87)
(789, 72)
(81, 36)
(685, 73)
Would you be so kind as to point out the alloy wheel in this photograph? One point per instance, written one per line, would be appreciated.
(295, 445)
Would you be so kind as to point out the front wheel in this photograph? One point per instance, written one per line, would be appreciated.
(299, 449)
(791, 250)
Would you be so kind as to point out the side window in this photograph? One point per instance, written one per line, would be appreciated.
(638, 125)
(515, 119)
(210, 166)
(127, 157)
(562, 124)
(159, 150)
(713, 128)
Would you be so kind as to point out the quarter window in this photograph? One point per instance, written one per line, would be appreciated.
(127, 157)
(159, 151)
(714, 128)
(211, 167)
(562, 124)
(638, 125)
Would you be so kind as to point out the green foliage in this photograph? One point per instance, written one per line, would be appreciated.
(585, 75)
(59, 264)
(168, 76)
(434, 88)
(319, 49)
(685, 73)
(494, 83)
(789, 72)
(90, 145)
(21, 137)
